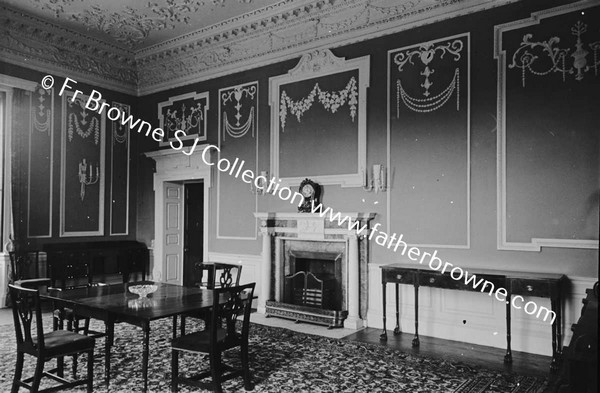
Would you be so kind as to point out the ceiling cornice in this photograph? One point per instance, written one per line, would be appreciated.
(271, 34)
(248, 43)
(44, 46)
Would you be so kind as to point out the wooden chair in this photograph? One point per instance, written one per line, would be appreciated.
(57, 344)
(213, 275)
(218, 275)
(73, 272)
(223, 333)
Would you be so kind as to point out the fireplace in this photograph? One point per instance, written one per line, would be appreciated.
(313, 271)
(314, 280)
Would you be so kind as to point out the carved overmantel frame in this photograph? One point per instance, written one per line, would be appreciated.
(316, 64)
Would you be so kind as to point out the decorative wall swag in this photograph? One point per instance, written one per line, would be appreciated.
(84, 127)
(239, 98)
(41, 110)
(424, 55)
(526, 57)
(82, 168)
(424, 80)
(334, 82)
(330, 101)
(120, 131)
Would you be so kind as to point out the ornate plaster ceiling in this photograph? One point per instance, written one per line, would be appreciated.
(136, 24)
(144, 46)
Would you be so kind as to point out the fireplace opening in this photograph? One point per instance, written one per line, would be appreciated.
(314, 283)
(310, 279)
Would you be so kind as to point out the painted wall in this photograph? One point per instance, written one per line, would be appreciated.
(34, 157)
(454, 315)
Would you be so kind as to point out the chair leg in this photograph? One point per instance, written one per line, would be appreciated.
(75, 329)
(246, 367)
(183, 325)
(37, 377)
(18, 372)
(174, 370)
(60, 366)
(75, 366)
(215, 371)
(90, 371)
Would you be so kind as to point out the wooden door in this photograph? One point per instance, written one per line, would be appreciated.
(173, 241)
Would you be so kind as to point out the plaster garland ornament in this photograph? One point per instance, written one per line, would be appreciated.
(529, 52)
(426, 53)
(331, 101)
(42, 115)
(80, 127)
(429, 104)
(237, 93)
(118, 126)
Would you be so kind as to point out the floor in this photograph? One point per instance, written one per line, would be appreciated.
(478, 355)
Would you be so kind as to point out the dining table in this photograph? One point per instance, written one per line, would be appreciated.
(116, 303)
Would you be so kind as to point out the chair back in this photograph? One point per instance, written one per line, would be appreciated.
(228, 304)
(27, 315)
(70, 269)
(218, 275)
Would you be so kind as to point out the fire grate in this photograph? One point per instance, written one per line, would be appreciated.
(305, 289)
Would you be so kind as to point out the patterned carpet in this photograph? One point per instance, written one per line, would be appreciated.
(285, 361)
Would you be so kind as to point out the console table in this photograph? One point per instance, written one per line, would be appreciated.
(528, 284)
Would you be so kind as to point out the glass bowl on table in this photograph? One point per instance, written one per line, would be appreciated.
(142, 289)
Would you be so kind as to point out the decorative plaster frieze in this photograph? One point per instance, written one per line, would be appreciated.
(35, 43)
(263, 38)
(267, 35)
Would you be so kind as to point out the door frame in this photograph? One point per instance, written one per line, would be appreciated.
(175, 166)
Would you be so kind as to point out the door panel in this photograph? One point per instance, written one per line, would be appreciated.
(173, 247)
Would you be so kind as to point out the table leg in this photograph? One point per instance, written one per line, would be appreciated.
(383, 336)
(397, 328)
(146, 353)
(175, 327)
(110, 337)
(416, 342)
(508, 356)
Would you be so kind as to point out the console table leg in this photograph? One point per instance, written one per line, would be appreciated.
(397, 328)
(383, 336)
(555, 335)
(508, 356)
(415, 341)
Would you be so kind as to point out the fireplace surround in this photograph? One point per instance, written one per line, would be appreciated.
(330, 259)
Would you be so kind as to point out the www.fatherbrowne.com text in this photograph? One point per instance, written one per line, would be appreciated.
(392, 242)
